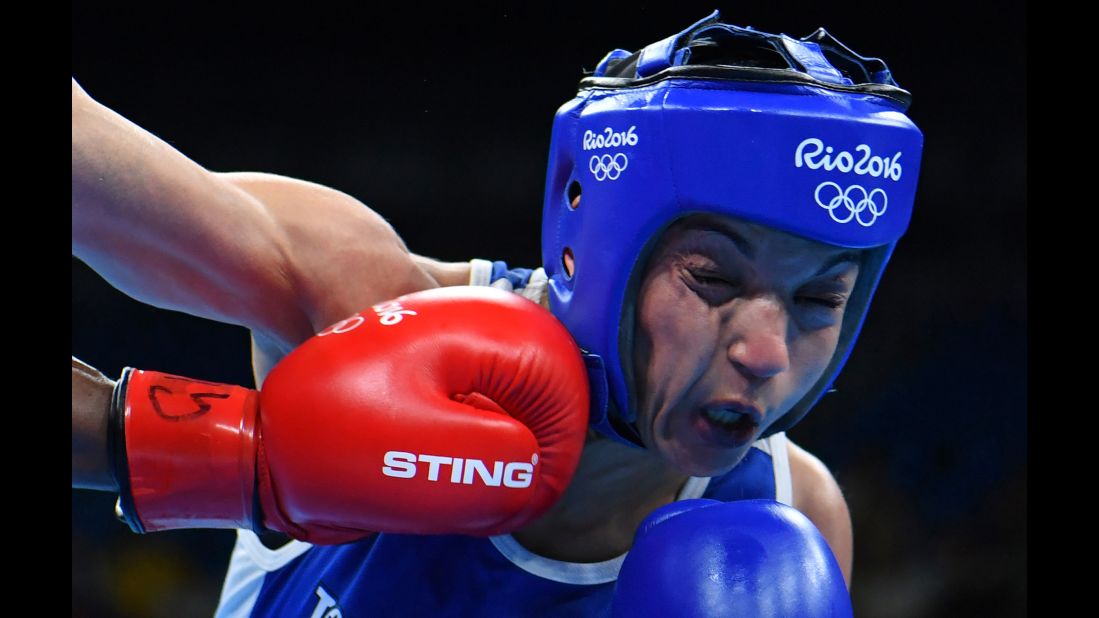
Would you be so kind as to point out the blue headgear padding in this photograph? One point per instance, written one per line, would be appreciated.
(804, 136)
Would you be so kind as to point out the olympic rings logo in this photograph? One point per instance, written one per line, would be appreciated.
(608, 167)
(865, 209)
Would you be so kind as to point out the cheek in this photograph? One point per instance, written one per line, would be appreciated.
(673, 330)
(665, 313)
(812, 355)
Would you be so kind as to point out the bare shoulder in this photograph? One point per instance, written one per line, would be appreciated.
(815, 489)
(817, 494)
(342, 255)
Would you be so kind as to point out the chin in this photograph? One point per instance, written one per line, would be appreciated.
(706, 462)
(681, 448)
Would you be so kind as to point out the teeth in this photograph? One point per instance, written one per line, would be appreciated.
(723, 416)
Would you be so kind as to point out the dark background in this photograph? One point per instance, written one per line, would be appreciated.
(439, 120)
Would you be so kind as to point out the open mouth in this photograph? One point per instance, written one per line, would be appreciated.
(725, 426)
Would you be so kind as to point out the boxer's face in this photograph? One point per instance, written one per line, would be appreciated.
(735, 323)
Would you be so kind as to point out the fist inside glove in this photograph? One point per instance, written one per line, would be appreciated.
(746, 558)
(459, 410)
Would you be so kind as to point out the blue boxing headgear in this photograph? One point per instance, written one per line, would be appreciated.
(803, 136)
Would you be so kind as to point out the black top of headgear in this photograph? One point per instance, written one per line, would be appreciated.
(712, 50)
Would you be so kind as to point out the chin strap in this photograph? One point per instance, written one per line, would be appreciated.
(600, 417)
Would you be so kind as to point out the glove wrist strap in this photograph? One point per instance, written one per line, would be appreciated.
(183, 452)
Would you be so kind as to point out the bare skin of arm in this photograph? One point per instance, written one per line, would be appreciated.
(279, 256)
(818, 496)
(282, 257)
(91, 397)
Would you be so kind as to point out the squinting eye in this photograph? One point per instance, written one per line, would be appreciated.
(831, 301)
(708, 280)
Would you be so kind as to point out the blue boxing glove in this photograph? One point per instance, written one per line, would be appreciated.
(747, 558)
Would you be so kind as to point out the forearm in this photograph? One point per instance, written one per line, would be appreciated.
(125, 179)
(91, 400)
(165, 231)
(444, 273)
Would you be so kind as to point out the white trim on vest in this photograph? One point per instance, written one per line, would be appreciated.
(250, 562)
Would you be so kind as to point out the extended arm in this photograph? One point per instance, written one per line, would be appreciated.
(282, 257)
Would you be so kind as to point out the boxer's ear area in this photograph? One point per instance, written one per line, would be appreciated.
(574, 194)
(568, 260)
(629, 353)
(479, 401)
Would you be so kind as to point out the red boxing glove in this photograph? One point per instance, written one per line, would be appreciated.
(457, 410)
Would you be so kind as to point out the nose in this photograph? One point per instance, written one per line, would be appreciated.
(759, 347)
